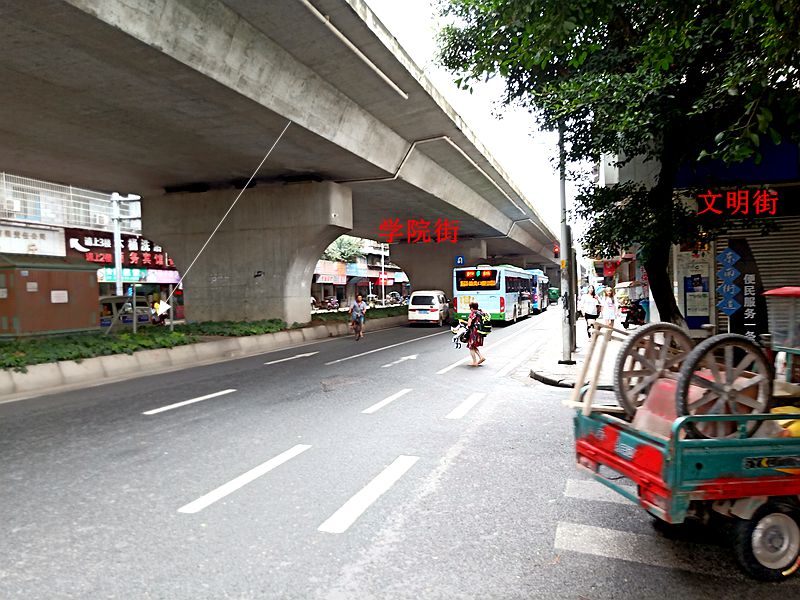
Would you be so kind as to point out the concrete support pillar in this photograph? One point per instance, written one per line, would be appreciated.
(430, 266)
(260, 263)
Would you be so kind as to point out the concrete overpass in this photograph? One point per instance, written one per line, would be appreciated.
(178, 100)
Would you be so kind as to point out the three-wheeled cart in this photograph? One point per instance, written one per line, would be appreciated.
(694, 436)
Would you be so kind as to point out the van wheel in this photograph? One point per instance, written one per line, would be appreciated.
(441, 320)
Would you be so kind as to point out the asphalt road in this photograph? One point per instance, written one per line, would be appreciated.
(370, 469)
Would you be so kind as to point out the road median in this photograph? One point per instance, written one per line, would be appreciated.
(64, 375)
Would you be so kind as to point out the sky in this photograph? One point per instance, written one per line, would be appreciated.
(512, 138)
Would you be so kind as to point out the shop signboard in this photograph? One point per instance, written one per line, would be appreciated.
(107, 275)
(98, 247)
(748, 314)
(23, 239)
(334, 279)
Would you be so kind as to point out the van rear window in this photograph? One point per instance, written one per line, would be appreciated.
(418, 300)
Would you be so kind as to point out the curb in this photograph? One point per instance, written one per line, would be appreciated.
(564, 384)
(48, 378)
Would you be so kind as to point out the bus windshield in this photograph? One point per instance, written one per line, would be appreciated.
(477, 279)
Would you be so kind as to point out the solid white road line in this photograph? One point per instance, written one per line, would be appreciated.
(588, 489)
(185, 402)
(272, 362)
(501, 342)
(242, 480)
(333, 362)
(465, 406)
(341, 520)
(376, 407)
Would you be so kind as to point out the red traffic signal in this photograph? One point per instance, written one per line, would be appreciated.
(556, 250)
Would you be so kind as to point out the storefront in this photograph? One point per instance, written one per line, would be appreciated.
(143, 262)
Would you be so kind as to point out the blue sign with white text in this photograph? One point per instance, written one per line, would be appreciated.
(459, 261)
(728, 258)
(729, 305)
(728, 290)
(728, 274)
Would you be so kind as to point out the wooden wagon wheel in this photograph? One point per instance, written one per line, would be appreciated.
(653, 352)
(724, 375)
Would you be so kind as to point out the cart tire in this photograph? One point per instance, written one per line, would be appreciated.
(721, 395)
(652, 352)
(768, 545)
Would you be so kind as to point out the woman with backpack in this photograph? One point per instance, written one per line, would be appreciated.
(475, 340)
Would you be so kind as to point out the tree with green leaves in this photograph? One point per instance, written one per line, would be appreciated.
(672, 82)
(345, 248)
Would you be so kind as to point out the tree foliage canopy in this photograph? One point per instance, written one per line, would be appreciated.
(674, 82)
(345, 248)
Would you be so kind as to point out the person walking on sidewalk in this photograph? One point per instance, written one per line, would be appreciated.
(608, 307)
(590, 307)
(475, 340)
(358, 312)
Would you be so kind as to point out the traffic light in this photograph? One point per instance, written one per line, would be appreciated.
(556, 250)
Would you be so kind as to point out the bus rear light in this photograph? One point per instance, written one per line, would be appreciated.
(502, 304)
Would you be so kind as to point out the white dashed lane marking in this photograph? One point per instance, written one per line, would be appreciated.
(351, 510)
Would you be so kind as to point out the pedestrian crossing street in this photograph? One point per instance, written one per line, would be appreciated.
(646, 546)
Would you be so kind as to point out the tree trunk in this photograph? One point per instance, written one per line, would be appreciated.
(658, 257)
(661, 288)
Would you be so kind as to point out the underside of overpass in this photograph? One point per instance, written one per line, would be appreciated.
(178, 101)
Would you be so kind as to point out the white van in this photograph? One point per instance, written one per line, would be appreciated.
(428, 306)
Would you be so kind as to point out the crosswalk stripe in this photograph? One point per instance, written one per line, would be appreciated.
(632, 547)
(587, 489)
(652, 550)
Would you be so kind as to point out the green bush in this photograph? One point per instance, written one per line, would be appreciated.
(17, 354)
(232, 328)
(372, 313)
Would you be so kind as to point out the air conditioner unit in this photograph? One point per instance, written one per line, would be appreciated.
(100, 219)
(12, 205)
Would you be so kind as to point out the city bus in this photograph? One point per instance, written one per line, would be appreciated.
(540, 300)
(504, 291)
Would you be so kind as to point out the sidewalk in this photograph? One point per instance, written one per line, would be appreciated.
(544, 367)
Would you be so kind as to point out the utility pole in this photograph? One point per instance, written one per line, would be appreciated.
(115, 215)
(568, 318)
(383, 275)
(115, 198)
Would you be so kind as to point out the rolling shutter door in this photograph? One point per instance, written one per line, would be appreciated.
(777, 256)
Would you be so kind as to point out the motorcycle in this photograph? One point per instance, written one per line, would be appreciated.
(332, 303)
(634, 313)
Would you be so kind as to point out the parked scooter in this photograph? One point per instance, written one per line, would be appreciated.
(332, 303)
(634, 313)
